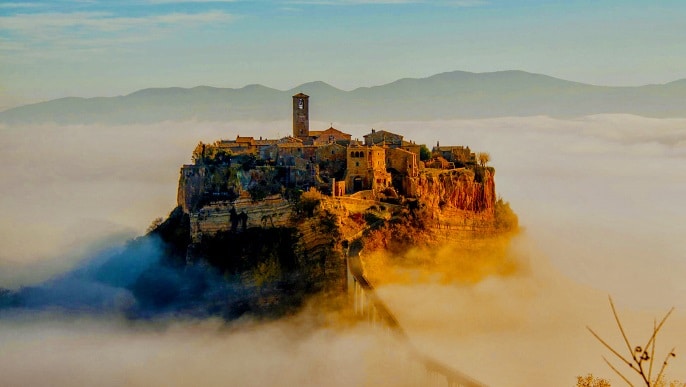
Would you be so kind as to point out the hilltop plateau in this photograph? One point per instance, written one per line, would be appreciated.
(282, 215)
(262, 225)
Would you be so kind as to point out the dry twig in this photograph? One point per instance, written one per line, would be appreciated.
(639, 355)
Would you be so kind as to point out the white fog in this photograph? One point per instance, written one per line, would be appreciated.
(600, 201)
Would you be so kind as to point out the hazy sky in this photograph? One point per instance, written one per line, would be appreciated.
(56, 48)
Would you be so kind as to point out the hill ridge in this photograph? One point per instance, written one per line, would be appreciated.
(448, 95)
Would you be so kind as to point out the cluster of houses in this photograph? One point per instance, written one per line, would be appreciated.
(383, 160)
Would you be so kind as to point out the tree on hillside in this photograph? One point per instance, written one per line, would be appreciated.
(483, 158)
(198, 153)
(424, 153)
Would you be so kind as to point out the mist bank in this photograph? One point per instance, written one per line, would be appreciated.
(522, 327)
(61, 350)
(451, 95)
(606, 187)
(136, 280)
(599, 199)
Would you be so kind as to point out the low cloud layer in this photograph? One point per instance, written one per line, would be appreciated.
(112, 352)
(599, 199)
(525, 327)
(68, 188)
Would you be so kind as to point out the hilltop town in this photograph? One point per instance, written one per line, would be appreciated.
(385, 167)
(280, 214)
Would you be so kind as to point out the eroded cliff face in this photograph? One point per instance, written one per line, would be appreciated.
(286, 250)
(457, 189)
(191, 187)
(458, 196)
(272, 211)
(322, 253)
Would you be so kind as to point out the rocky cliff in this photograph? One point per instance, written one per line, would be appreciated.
(463, 189)
(272, 211)
(191, 187)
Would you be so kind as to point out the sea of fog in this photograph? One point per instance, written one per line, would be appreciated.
(599, 199)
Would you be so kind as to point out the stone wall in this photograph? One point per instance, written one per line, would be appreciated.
(403, 161)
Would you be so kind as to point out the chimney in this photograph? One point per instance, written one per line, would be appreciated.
(373, 131)
(438, 144)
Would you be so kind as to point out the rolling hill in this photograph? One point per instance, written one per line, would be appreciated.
(449, 95)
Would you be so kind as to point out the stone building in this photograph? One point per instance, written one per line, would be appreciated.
(366, 168)
(329, 135)
(239, 146)
(460, 155)
(287, 152)
(410, 146)
(402, 162)
(327, 159)
(382, 137)
(264, 147)
(331, 152)
(439, 162)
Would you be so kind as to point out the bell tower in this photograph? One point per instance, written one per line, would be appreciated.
(301, 116)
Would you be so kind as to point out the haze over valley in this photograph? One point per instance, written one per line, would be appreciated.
(597, 198)
(450, 95)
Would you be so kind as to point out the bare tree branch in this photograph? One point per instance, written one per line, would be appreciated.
(617, 372)
(611, 349)
(621, 329)
(664, 365)
(638, 354)
(655, 330)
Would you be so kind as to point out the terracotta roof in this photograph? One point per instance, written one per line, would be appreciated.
(334, 144)
(381, 131)
(399, 150)
(290, 145)
(266, 142)
(449, 148)
(289, 139)
(334, 130)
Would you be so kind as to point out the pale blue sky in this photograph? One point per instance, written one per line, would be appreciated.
(56, 48)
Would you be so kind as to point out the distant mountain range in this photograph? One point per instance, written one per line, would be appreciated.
(449, 95)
